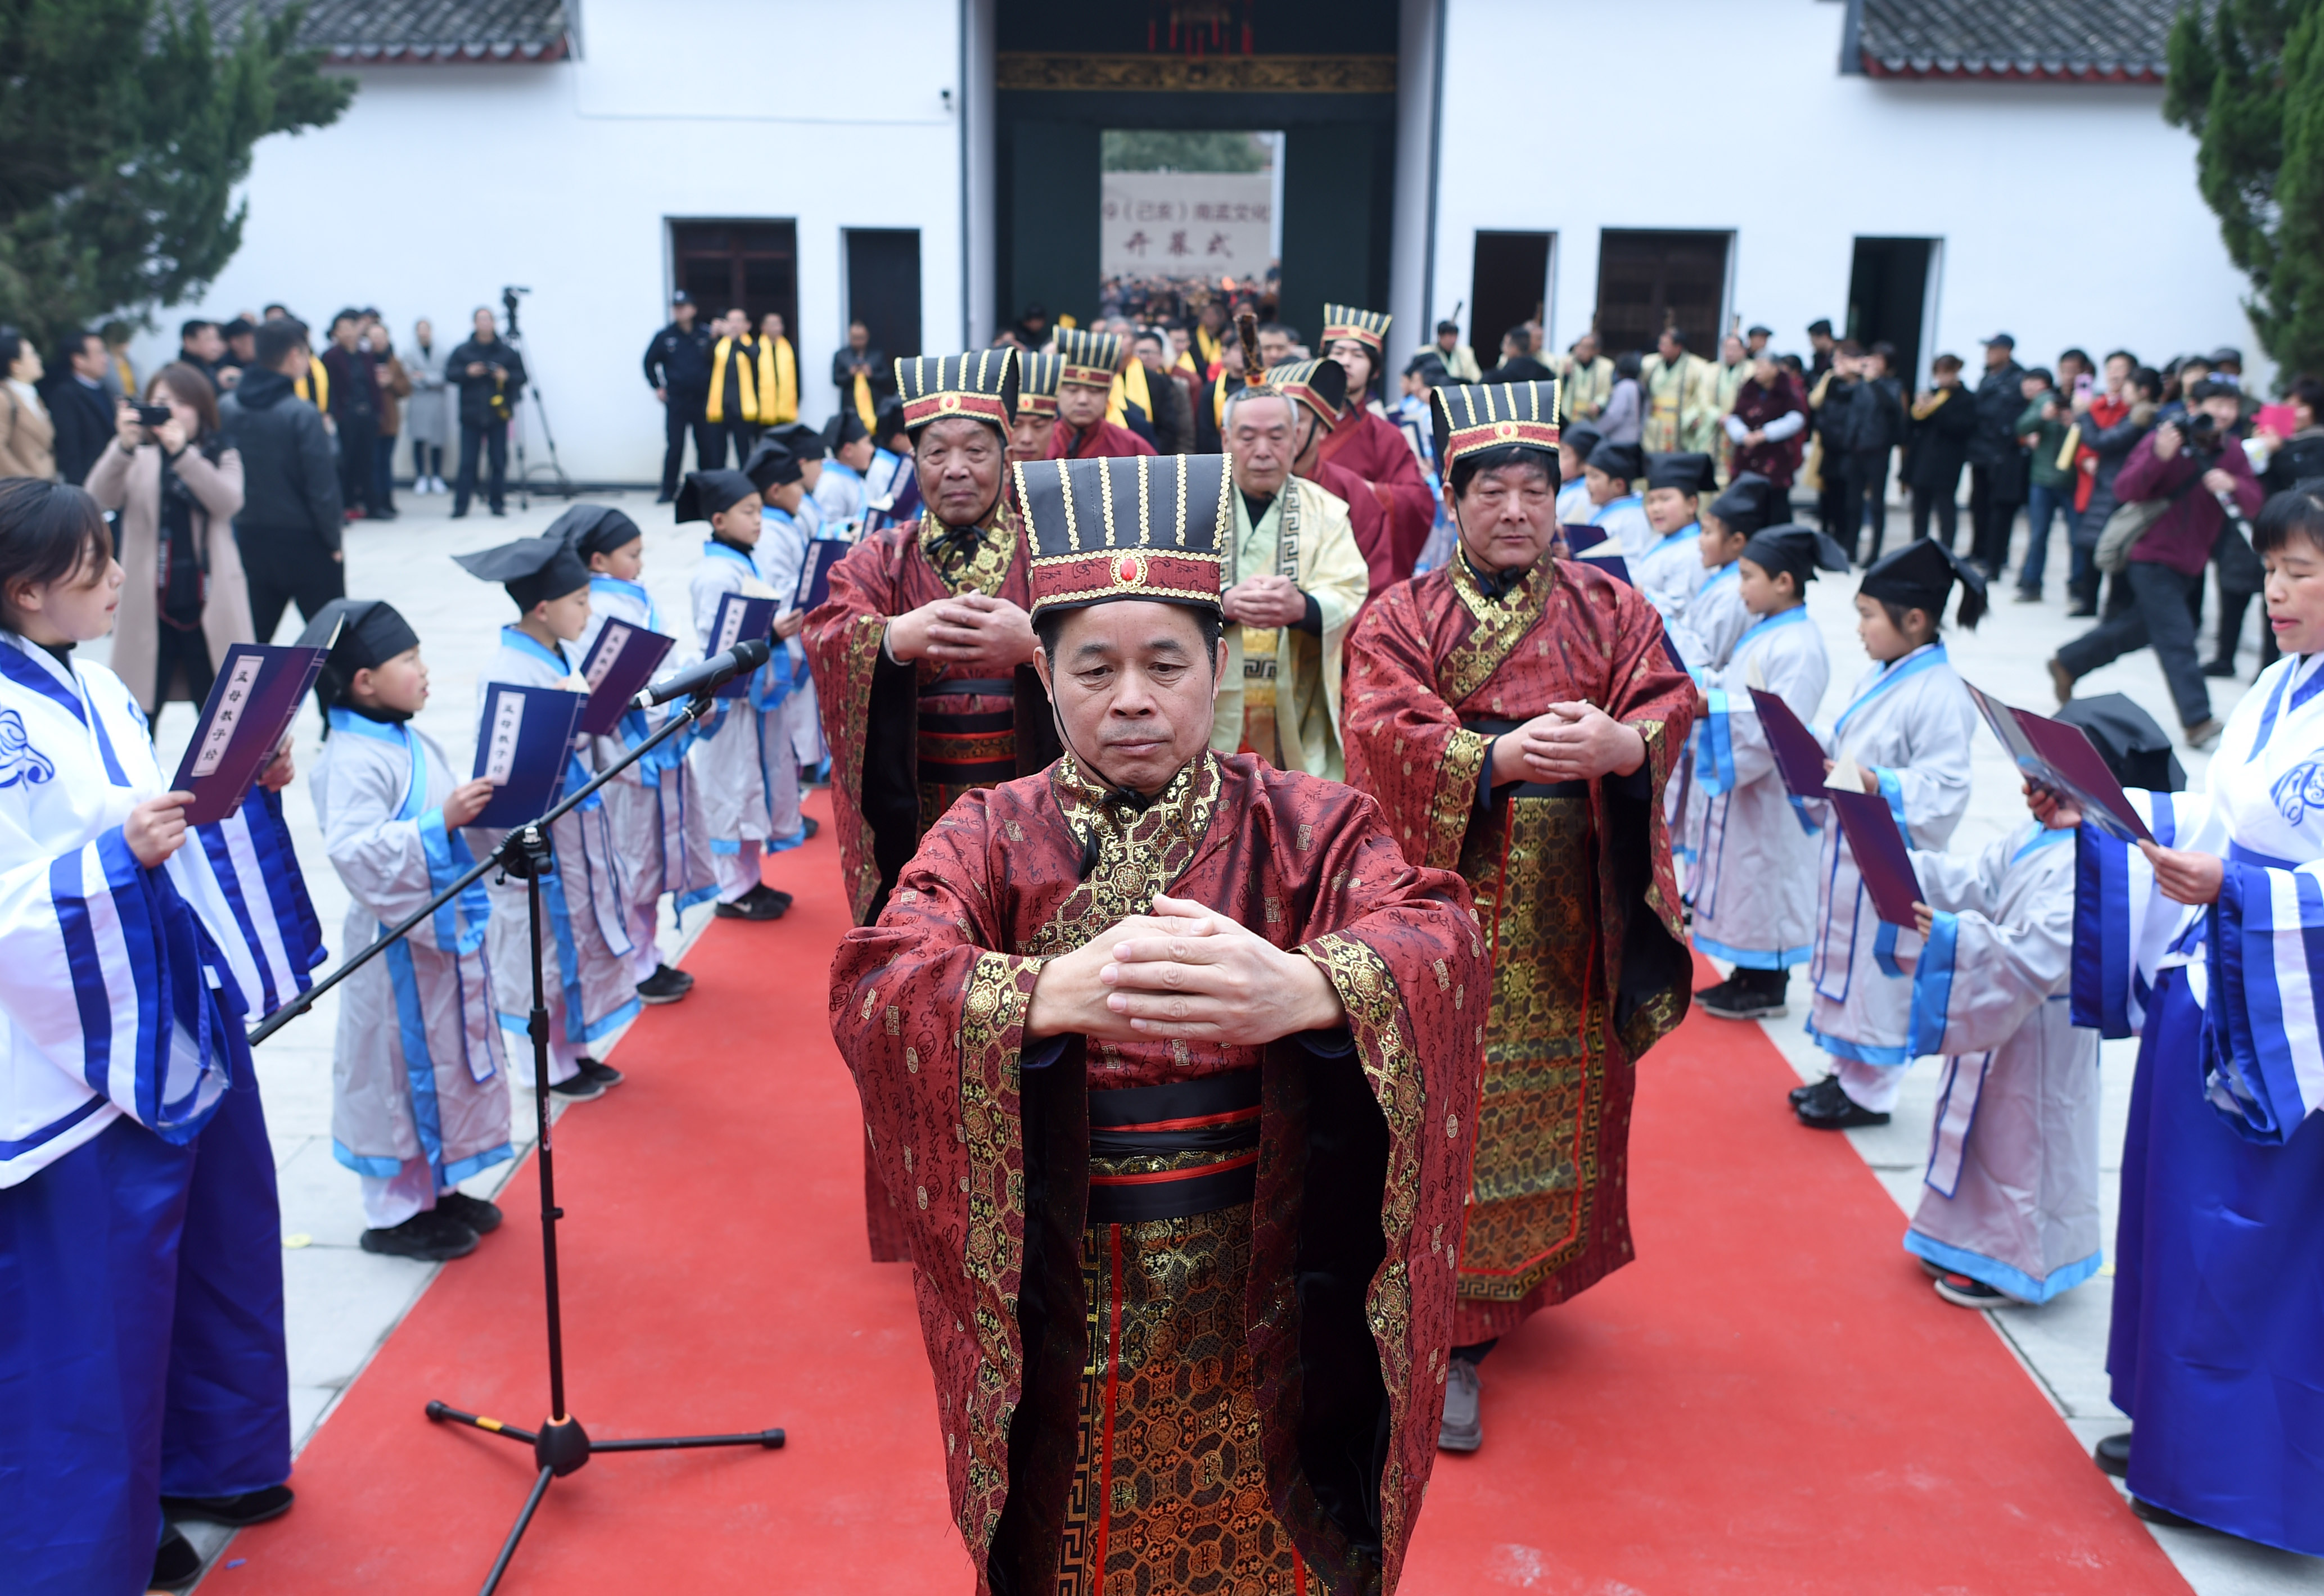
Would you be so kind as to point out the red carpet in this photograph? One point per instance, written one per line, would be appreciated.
(1770, 1400)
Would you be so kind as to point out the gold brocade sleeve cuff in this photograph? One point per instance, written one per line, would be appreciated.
(1453, 804)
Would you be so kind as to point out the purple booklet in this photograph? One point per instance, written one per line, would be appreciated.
(250, 707)
(815, 572)
(1799, 757)
(620, 662)
(740, 620)
(1582, 535)
(524, 743)
(1878, 848)
(2062, 758)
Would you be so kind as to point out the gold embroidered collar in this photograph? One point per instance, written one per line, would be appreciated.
(1130, 854)
(971, 556)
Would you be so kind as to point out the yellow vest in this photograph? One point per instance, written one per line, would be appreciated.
(1128, 388)
(746, 398)
(778, 382)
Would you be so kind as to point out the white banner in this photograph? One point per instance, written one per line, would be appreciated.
(1186, 223)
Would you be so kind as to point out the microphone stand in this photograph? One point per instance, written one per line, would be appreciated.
(561, 1445)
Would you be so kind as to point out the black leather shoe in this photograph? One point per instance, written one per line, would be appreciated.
(2112, 1455)
(1799, 1094)
(478, 1215)
(809, 826)
(430, 1236)
(1827, 1108)
(235, 1512)
(664, 985)
(176, 1564)
(2162, 1516)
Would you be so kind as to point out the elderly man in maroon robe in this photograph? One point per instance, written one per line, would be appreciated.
(922, 656)
(1172, 1059)
(1368, 445)
(1516, 716)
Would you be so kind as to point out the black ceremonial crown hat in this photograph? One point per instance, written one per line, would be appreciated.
(1037, 391)
(1087, 357)
(1322, 385)
(979, 386)
(1153, 527)
(1478, 416)
(1346, 321)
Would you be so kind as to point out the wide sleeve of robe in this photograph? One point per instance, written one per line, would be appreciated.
(2123, 927)
(1980, 977)
(867, 702)
(928, 1008)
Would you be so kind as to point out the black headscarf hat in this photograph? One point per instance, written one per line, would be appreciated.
(594, 529)
(1920, 576)
(1800, 551)
(362, 635)
(706, 493)
(532, 570)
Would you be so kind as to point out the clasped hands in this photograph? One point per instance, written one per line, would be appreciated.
(1182, 970)
(1264, 601)
(1573, 741)
(968, 629)
(2184, 875)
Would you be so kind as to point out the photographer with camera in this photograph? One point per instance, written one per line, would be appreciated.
(177, 484)
(491, 377)
(2183, 477)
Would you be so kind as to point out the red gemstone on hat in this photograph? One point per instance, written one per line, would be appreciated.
(1125, 570)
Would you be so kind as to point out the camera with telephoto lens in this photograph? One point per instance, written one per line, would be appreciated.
(151, 415)
(2201, 432)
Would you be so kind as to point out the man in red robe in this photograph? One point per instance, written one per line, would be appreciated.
(922, 656)
(1369, 446)
(1086, 364)
(1167, 1054)
(1320, 387)
(1517, 717)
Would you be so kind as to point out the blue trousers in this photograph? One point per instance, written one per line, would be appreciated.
(132, 1361)
(2217, 1348)
(2043, 504)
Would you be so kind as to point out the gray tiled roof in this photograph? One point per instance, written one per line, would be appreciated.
(2087, 40)
(357, 32)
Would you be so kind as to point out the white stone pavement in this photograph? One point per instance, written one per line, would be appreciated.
(344, 1302)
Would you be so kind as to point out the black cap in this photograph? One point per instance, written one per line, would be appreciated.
(844, 428)
(772, 465)
(2002, 340)
(1625, 460)
(2134, 748)
(2227, 355)
(594, 529)
(704, 493)
(1751, 503)
(1921, 575)
(362, 634)
(1820, 325)
(681, 298)
(1800, 551)
(531, 568)
(1693, 474)
(804, 441)
(1759, 332)
(1429, 368)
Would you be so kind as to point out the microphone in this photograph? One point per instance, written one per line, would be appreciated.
(739, 659)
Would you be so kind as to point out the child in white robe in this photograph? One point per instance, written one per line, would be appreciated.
(590, 974)
(1574, 442)
(655, 815)
(1713, 617)
(743, 761)
(1905, 736)
(1670, 570)
(1613, 507)
(420, 1101)
(1753, 881)
(788, 530)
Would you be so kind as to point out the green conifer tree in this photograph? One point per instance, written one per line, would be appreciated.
(2246, 78)
(125, 128)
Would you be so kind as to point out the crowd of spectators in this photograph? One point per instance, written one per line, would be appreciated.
(230, 471)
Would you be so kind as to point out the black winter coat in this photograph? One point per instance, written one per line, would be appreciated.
(476, 394)
(1940, 445)
(1994, 446)
(679, 359)
(290, 474)
(83, 418)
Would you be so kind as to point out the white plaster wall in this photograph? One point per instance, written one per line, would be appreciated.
(2069, 212)
(440, 184)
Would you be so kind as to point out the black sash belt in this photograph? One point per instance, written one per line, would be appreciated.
(978, 687)
(1216, 1115)
(1546, 789)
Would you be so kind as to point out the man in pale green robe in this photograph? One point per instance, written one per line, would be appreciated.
(1682, 399)
(1295, 580)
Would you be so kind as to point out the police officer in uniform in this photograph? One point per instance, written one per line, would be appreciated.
(678, 369)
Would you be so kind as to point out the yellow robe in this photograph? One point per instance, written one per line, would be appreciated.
(1682, 403)
(1331, 569)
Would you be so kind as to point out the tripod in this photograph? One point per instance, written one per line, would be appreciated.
(563, 483)
(561, 1445)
